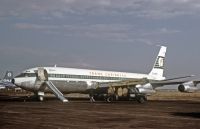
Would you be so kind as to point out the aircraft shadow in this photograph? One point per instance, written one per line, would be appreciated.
(187, 114)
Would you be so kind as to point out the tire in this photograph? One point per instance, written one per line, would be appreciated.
(141, 99)
(41, 98)
(109, 99)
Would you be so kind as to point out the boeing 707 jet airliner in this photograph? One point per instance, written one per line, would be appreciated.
(108, 84)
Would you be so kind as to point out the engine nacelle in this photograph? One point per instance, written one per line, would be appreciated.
(145, 89)
(146, 86)
(187, 88)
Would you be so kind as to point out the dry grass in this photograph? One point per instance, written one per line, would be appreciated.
(174, 95)
(159, 95)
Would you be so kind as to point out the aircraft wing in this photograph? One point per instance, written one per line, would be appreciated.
(144, 81)
(123, 83)
(176, 78)
(165, 82)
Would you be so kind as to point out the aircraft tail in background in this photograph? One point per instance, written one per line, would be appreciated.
(8, 76)
(7, 81)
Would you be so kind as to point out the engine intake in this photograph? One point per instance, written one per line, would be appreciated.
(187, 88)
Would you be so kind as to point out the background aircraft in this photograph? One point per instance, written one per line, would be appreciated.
(6, 82)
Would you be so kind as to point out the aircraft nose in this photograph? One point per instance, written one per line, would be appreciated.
(16, 81)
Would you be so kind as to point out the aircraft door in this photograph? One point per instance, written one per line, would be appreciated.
(42, 74)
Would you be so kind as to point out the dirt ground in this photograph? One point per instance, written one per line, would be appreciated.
(22, 113)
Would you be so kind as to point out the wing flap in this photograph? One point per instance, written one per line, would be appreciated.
(123, 83)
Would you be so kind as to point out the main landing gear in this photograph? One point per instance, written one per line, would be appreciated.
(141, 98)
(110, 98)
(39, 96)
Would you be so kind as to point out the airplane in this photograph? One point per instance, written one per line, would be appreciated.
(109, 84)
(7, 81)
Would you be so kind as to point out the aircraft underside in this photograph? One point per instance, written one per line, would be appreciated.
(108, 94)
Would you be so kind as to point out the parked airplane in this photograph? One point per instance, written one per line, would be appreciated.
(6, 82)
(109, 84)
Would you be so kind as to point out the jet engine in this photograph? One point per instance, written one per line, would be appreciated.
(187, 87)
(145, 89)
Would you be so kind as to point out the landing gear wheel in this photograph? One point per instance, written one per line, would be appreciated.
(109, 99)
(41, 98)
(141, 99)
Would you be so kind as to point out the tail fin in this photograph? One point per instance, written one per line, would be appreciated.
(158, 68)
(9, 76)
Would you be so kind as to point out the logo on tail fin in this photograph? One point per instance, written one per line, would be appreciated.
(159, 62)
(8, 76)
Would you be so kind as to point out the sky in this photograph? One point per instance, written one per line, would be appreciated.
(116, 35)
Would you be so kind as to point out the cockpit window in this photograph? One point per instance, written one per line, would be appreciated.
(26, 75)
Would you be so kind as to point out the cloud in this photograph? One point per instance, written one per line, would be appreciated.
(119, 33)
(102, 31)
(160, 31)
(114, 32)
(168, 31)
(139, 8)
(76, 63)
(34, 26)
(19, 55)
(20, 51)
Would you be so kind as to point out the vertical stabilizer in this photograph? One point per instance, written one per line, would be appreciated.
(158, 68)
(8, 76)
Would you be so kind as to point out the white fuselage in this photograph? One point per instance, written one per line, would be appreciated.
(69, 80)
